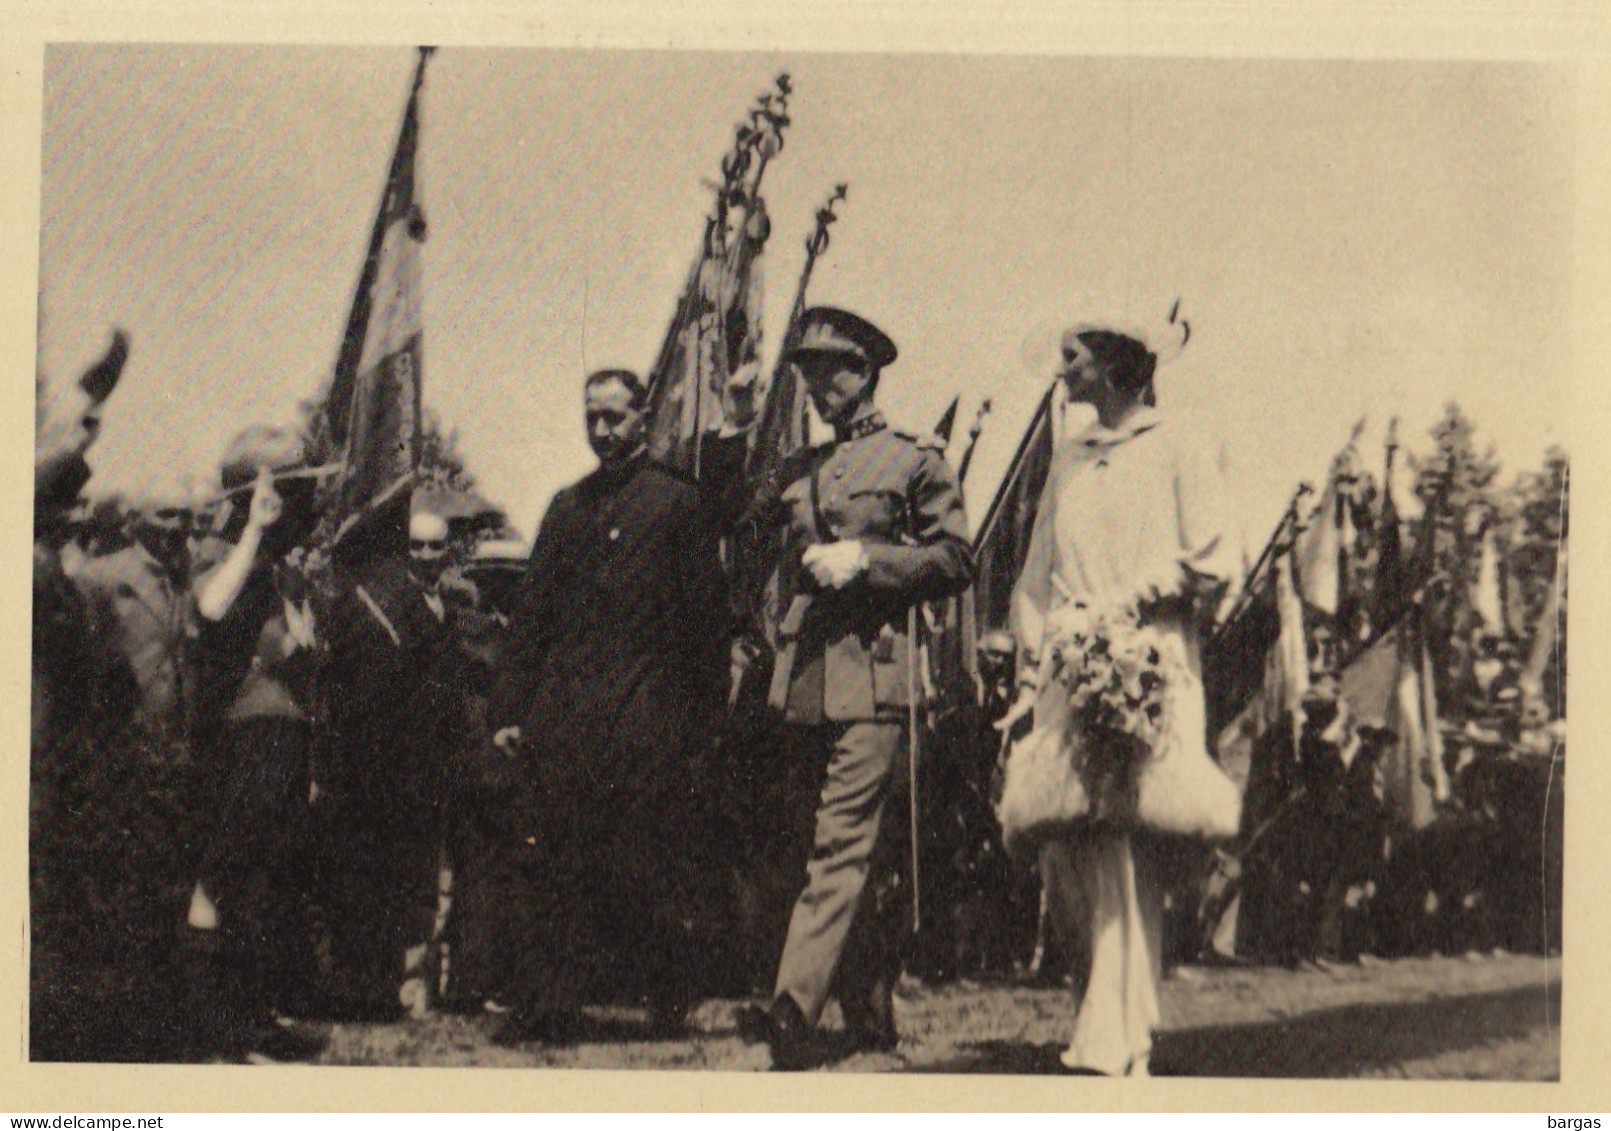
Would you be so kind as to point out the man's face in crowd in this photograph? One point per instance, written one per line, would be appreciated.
(614, 425)
(165, 533)
(738, 396)
(836, 381)
(427, 547)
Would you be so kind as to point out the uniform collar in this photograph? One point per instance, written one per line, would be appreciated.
(863, 426)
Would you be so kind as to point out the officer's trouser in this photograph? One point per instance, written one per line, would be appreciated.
(856, 785)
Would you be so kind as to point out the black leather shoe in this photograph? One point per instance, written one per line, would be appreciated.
(520, 1027)
(752, 1024)
(288, 1042)
(871, 1036)
(668, 1018)
(790, 1037)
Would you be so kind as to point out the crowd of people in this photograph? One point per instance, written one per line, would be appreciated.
(275, 785)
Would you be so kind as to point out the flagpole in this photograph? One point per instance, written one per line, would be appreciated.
(973, 441)
(1041, 412)
(912, 751)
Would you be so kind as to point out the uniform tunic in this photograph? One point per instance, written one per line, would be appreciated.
(842, 681)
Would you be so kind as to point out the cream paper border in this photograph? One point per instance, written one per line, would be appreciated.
(1573, 34)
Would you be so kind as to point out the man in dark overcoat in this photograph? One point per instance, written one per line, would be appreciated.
(613, 677)
(395, 716)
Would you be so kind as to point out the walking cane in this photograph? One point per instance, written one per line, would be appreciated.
(911, 758)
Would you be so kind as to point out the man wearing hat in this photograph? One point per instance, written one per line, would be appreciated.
(255, 654)
(872, 525)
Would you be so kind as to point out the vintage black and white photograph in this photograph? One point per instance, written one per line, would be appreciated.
(771, 561)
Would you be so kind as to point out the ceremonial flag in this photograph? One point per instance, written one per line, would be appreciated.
(372, 413)
(1318, 550)
(717, 325)
(781, 427)
(1002, 544)
(1389, 686)
(948, 421)
(1535, 709)
(1486, 600)
(1293, 649)
(1392, 571)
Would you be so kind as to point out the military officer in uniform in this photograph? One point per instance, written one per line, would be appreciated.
(872, 525)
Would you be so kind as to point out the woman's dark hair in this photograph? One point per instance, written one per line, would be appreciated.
(1128, 363)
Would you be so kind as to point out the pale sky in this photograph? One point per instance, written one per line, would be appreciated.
(1346, 238)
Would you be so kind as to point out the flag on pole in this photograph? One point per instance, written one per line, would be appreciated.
(1002, 544)
(1292, 672)
(781, 427)
(717, 326)
(947, 422)
(1389, 686)
(1392, 568)
(1486, 600)
(1318, 550)
(372, 414)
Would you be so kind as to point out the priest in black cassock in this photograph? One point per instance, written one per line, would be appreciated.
(600, 718)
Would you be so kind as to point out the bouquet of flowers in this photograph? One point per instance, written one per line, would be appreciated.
(1113, 667)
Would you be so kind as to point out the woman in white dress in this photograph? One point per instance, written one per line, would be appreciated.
(1128, 560)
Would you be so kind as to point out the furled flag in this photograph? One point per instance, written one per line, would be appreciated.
(1486, 600)
(781, 427)
(717, 327)
(779, 431)
(1319, 548)
(1317, 551)
(1536, 709)
(372, 413)
(947, 422)
(1293, 647)
(1389, 686)
(1392, 568)
(1002, 543)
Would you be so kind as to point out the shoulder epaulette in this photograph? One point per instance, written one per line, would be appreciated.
(927, 440)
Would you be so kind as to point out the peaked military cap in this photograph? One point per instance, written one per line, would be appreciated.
(827, 329)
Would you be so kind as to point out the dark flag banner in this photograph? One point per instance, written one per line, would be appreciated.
(1002, 543)
(781, 427)
(717, 327)
(1392, 568)
(780, 430)
(372, 414)
(1389, 686)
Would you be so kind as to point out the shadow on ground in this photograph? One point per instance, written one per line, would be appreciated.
(1343, 1041)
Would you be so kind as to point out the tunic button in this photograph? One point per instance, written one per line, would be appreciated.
(615, 533)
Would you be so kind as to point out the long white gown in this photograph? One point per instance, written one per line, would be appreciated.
(1129, 514)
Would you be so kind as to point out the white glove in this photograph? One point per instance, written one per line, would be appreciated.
(836, 564)
(1021, 708)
